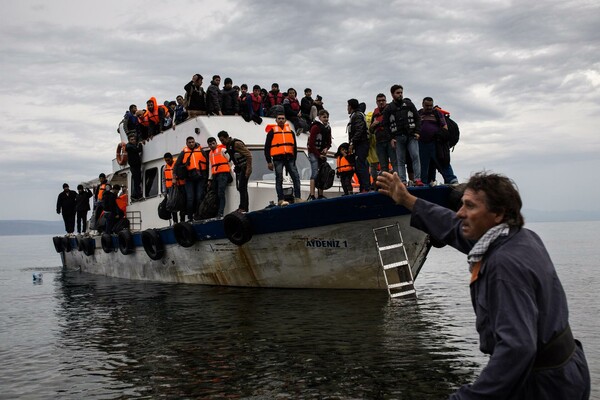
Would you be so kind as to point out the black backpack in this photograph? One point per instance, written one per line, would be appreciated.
(325, 177)
(453, 130)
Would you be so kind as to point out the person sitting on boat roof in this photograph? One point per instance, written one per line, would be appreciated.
(219, 175)
(130, 121)
(152, 120)
(134, 159)
(280, 151)
(65, 204)
(195, 97)
(316, 107)
(345, 167)
(181, 113)
(242, 159)
(274, 98)
(229, 99)
(192, 166)
(171, 182)
(291, 106)
(254, 105)
(319, 142)
(213, 97)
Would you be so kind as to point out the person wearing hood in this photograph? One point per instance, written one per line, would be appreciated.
(319, 142)
(153, 118)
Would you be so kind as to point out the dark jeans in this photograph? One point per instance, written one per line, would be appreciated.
(242, 187)
(386, 155)
(136, 182)
(361, 150)
(220, 182)
(81, 221)
(69, 219)
(346, 181)
(194, 192)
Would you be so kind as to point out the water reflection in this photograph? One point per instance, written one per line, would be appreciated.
(168, 340)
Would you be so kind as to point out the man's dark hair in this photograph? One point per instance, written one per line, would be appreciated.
(189, 137)
(199, 76)
(307, 90)
(102, 175)
(215, 77)
(116, 187)
(427, 99)
(256, 87)
(275, 85)
(244, 86)
(380, 95)
(323, 112)
(168, 155)
(353, 103)
(223, 134)
(131, 107)
(211, 139)
(79, 187)
(395, 87)
(501, 195)
(228, 80)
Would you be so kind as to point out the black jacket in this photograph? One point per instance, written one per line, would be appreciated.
(401, 118)
(66, 202)
(82, 200)
(357, 128)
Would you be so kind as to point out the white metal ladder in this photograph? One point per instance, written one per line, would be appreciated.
(394, 261)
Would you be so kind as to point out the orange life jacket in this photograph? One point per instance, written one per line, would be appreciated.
(122, 202)
(101, 190)
(343, 165)
(283, 141)
(197, 161)
(169, 176)
(218, 162)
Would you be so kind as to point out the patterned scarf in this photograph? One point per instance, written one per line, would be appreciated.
(480, 248)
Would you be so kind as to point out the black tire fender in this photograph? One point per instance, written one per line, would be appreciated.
(66, 243)
(57, 240)
(107, 242)
(89, 246)
(238, 228)
(126, 245)
(185, 235)
(79, 240)
(153, 244)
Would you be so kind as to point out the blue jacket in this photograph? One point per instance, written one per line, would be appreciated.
(520, 305)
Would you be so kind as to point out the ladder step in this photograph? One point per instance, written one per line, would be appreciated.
(403, 293)
(397, 285)
(396, 264)
(390, 247)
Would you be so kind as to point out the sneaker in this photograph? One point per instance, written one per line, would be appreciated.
(419, 182)
(310, 198)
(282, 203)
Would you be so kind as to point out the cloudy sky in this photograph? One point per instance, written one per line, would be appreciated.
(522, 79)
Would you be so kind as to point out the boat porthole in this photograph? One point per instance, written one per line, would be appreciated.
(126, 245)
(107, 242)
(238, 228)
(185, 235)
(153, 244)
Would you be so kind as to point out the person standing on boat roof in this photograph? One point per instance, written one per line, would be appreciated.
(242, 160)
(521, 308)
(213, 97)
(181, 113)
(130, 121)
(401, 121)
(195, 97)
(219, 175)
(192, 166)
(134, 159)
(359, 144)
(65, 204)
(82, 206)
(280, 151)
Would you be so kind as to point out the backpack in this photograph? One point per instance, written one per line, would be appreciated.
(453, 130)
(325, 176)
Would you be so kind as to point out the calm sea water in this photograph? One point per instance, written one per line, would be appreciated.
(78, 336)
